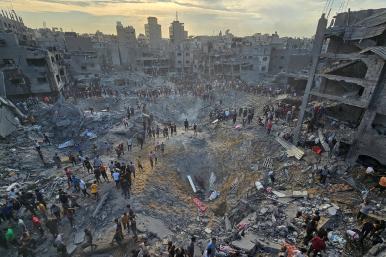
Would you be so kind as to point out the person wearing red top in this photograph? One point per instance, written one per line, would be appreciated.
(317, 245)
(269, 126)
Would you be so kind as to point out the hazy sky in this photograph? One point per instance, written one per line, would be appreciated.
(242, 17)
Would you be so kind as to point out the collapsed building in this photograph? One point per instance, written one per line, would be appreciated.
(348, 79)
(26, 70)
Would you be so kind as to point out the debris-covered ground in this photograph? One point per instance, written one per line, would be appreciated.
(239, 181)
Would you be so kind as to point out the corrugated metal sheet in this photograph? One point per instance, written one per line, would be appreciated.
(373, 20)
(357, 33)
(378, 50)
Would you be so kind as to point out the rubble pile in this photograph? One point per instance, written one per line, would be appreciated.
(252, 190)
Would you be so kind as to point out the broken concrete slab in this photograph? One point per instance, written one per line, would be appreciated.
(79, 237)
(279, 194)
(292, 150)
(100, 204)
(245, 244)
(299, 193)
(155, 226)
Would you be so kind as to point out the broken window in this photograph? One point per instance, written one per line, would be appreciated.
(356, 69)
(42, 80)
(265, 58)
(37, 62)
(83, 67)
(57, 78)
(17, 81)
(3, 43)
(8, 61)
(52, 59)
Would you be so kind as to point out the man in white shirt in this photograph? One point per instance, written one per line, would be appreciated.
(116, 177)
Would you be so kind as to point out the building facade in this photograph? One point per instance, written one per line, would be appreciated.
(153, 33)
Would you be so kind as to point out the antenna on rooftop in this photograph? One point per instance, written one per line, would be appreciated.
(44, 24)
(176, 16)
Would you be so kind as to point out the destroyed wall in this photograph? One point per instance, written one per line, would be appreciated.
(352, 73)
(289, 60)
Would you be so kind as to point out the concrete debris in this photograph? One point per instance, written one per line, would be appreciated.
(134, 158)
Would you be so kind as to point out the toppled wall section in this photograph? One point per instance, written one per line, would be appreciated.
(9, 117)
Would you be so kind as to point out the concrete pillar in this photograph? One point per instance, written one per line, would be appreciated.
(3, 92)
(316, 50)
(368, 116)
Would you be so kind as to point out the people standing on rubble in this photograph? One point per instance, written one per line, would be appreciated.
(46, 139)
(118, 235)
(367, 228)
(129, 144)
(271, 176)
(311, 228)
(83, 188)
(190, 248)
(55, 210)
(133, 227)
(68, 173)
(60, 246)
(103, 170)
(317, 246)
(116, 177)
(37, 224)
(37, 148)
(39, 197)
(211, 248)
(87, 165)
(89, 240)
(57, 161)
(97, 174)
(269, 126)
(94, 190)
(151, 159)
(42, 210)
(195, 129)
(72, 159)
(139, 164)
(364, 210)
(69, 213)
(52, 225)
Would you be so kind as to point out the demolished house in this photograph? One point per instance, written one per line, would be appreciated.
(349, 78)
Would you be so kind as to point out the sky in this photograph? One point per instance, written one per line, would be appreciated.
(201, 17)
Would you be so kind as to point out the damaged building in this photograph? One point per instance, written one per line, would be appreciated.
(27, 70)
(348, 79)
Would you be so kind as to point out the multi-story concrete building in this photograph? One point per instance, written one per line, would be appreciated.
(351, 76)
(28, 70)
(127, 45)
(177, 32)
(153, 33)
(81, 56)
